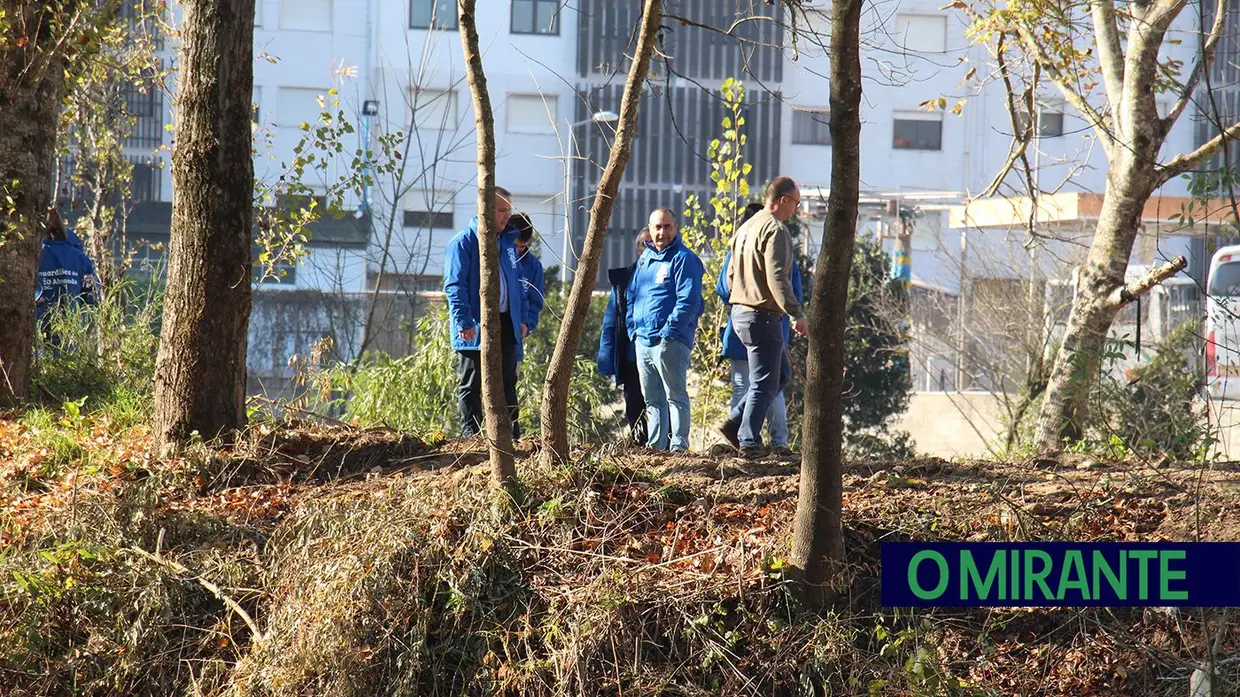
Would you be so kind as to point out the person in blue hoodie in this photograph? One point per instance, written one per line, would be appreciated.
(664, 304)
(462, 287)
(616, 354)
(529, 270)
(734, 351)
(66, 277)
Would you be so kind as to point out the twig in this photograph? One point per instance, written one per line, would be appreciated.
(214, 589)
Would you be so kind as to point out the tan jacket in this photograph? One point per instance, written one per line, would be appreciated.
(760, 274)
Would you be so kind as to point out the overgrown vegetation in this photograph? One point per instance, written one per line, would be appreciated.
(417, 393)
(370, 565)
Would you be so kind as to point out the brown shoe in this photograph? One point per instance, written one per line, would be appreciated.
(729, 432)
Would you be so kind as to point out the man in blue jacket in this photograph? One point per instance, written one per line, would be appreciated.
(664, 304)
(529, 270)
(462, 286)
(66, 276)
(735, 352)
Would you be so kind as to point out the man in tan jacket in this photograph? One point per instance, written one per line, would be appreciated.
(760, 281)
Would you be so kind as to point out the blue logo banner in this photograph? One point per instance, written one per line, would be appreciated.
(1062, 574)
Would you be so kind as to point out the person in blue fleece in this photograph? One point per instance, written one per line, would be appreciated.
(529, 269)
(462, 287)
(616, 355)
(66, 276)
(734, 351)
(664, 304)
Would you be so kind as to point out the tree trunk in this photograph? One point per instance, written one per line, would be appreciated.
(32, 89)
(200, 370)
(1094, 306)
(498, 423)
(818, 540)
(559, 373)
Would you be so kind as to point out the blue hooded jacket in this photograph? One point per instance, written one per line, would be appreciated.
(462, 285)
(530, 270)
(65, 274)
(732, 346)
(665, 295)
(614, 346)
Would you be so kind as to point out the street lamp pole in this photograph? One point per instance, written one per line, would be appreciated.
(566, 250)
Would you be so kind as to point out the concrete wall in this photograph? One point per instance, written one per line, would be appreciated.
(969, 424)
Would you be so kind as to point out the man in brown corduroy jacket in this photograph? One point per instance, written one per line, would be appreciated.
(760, 279)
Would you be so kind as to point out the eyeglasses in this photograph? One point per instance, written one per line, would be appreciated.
(795, 201)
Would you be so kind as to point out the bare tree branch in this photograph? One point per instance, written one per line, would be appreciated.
(1021, 143)
(1110, 54)
(1125, 294)
(1183, 163)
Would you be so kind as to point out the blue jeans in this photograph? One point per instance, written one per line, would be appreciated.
(664, 372)
(777, 415)
(763, 336)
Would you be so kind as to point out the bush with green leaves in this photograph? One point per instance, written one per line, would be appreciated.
(105, 353)
(1154, 408)
(877, 379)
(417, 393)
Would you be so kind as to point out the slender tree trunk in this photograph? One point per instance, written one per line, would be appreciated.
(1095, 303)
(200, 370)
(498, 424)
(32, 89)
(818, 539)
(559, 374)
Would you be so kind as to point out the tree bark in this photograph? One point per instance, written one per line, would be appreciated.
(200, 370)
(498, 424)
(1065, 407)
(559, 375)
(32, 89)
(818, 540)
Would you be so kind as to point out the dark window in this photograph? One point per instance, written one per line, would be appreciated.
(430, 219)
(917, 134)
(432, 14)
(811, 127)
(147, 184)
(1225, 281)
(536, 17)
(1052, 123)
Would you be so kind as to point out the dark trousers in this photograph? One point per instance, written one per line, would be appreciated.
(469, 385)
(634, 402)
(762, 334)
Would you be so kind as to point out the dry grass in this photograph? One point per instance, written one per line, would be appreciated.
(374, 565)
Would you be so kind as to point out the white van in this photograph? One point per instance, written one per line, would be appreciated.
(1223, 324)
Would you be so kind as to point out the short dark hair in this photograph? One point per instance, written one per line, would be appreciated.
(778, 188)
(501, 191)
(522, 224)
(55, 226)
(750, 211)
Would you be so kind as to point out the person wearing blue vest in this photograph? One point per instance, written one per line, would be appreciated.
(664, 304)
(66, 277)
(616, 355)
(529, 270)
(735, 352)
(462, 287)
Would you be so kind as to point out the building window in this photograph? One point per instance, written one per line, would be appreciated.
(430, 219)
(434, 109)
(306, 15)
(432, 14)
(915, 130)
(921, 33)
(1051, 125)
(536, 17)
(811, 127)
(297, 105)
(532, 113)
